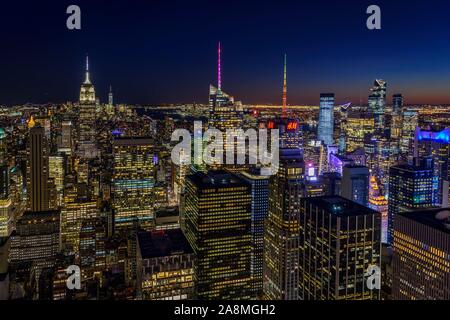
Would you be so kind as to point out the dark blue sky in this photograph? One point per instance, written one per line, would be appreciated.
(165, 51)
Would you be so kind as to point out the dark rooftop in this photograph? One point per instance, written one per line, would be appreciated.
(216, 178)
(340, 206)
(435, 218)
(163, 243)
(167, 212)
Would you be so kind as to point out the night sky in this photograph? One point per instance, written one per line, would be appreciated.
(165, 51)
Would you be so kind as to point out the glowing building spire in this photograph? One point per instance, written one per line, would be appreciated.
(284, 89)
(31, 123)
(219, 71)
(87, 70)
(110, 96)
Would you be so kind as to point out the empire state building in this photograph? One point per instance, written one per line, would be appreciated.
(87, 91)
(87, 116)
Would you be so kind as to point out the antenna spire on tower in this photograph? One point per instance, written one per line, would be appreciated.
(219, 71)
(87, 70)
(284, 89)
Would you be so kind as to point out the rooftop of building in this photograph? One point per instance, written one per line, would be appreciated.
(253, 174)
(39, 215)
(340, 206)
(120, 141)
(355, 166)
(163, 243)
(167, 212)
(425, 164)
(216, 178)
(438, 218)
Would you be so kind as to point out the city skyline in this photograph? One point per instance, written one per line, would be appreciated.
(162, 53)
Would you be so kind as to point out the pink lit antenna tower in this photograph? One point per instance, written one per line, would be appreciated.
(284, 89)
(219, 71)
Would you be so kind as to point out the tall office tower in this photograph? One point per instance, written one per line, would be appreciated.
(260, 198)
(326, 118)
(281, 234)
(87, 117)
(92, 255)
(133, 181)
(66, 143)
(4, 167)
(224, 114)
(436, 144)
(72, 216)
(396, 124)
(110, 96)
(37, 170)
(397, 103)
(359, 126)
(216, 220)
(355, 184)
(6, 217)
(410, 188)
(35, 242)
(339, 242)
(379, 203)
(421, 255)
(6, 214)
(384, 157)
(343, 116)
(3, 147)
(377, 103)
(166, 263)
(57, 173)
(410, 121)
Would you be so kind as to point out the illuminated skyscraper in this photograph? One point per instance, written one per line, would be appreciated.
(281, 234)
(224, 114)
(410, 121)
(37, 170)
(66, 142)
(87, 116)
(133, 182)
(339, 241)
(377, 103)
(421, 255)
(110, 96)
(410, 188)
(436, 145)
(355, 184)
(72, 216)
(35, 242)
(260, 198)
(396, 123)
(6, 214)
(216, 220)
(326, 118)
(397, 103)
(57, 173)
(359, 126)
(92, 254)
